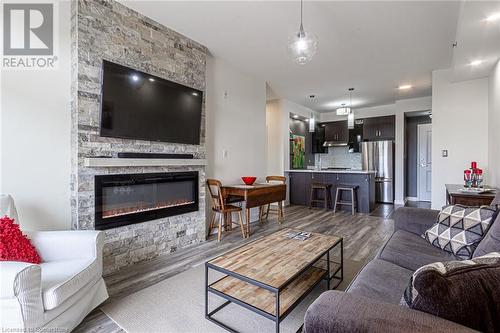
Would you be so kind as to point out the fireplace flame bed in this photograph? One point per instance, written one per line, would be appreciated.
(132, 198)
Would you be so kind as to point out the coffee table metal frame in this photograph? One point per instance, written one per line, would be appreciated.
(277, 318)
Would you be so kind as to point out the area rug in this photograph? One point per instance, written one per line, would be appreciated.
(178, 304)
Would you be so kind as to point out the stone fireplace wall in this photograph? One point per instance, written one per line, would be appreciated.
(105, 29)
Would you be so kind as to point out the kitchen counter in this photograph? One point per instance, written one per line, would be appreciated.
(361, 172)
(300, 181)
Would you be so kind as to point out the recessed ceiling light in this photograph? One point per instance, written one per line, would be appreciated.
(151, 79)
(405, 87)
(295, 116)
(135, 77)
(493, 17)
(476, 62)
(194, 93)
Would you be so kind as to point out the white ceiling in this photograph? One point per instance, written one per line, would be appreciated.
(477, 39)
(371, 46)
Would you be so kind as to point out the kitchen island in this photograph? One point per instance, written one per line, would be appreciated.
(299, 181)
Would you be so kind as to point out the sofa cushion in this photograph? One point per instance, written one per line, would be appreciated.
(465, 291)
(490, 242)
(411, 251)
(62, 279)
(381, 280)
(459, 229)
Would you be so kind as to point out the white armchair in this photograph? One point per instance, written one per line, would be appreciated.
(61, 291)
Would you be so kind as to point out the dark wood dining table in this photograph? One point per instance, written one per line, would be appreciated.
(256, 195)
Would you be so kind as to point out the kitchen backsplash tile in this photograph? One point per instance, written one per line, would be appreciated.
(338, 157)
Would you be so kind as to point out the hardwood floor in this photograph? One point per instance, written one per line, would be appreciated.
(363, 235)
(418, 204)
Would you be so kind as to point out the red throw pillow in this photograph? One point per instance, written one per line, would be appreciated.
(14, 246)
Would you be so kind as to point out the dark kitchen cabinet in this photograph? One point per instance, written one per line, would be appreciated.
(318, 177)
(336, 131)
(379, 128)
(297, 185)
(300, 185)
(318, 138)
(365, 192)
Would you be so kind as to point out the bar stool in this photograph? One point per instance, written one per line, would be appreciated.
(338, 197)
(326, 199)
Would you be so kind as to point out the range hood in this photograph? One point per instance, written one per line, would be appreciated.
(334, 144)
(355, 138)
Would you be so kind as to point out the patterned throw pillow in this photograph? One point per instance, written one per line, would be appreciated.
(463, 291)
(459, 229)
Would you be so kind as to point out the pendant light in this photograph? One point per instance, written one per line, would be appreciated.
(350, 116)
(343, 110)
(312, 121)
(302, 45)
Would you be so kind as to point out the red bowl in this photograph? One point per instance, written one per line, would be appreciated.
(248, 180)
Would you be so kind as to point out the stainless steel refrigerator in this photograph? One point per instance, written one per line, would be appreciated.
(379, 156)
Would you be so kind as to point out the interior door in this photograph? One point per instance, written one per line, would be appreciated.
(424, 161)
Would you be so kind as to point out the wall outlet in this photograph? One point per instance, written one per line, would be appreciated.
(444, 153)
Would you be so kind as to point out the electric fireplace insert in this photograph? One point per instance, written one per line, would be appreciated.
(132, 198)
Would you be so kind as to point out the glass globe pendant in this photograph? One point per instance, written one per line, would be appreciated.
(302, 46)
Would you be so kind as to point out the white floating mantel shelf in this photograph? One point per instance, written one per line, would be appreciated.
(103, 162)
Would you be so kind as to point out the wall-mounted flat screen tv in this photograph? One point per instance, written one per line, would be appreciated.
(140, 106)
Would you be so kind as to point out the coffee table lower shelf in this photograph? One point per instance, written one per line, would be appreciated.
(262, 300)
(265, 300)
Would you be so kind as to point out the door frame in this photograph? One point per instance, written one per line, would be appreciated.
(418, 161)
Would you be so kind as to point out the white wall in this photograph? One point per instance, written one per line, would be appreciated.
(275, 146)
(460, 125)
(399, 108)
(235, 123)
(35, 138)
(494, 126)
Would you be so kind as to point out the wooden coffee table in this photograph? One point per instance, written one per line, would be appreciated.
(271, 275)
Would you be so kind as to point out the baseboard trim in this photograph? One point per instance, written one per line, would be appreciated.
(412, 199)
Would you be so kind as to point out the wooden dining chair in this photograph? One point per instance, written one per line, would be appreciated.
(221, 208)
(265, 210)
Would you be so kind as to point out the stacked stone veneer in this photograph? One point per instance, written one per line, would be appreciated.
(103, 29)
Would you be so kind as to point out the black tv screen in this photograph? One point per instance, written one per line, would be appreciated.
(136, 105)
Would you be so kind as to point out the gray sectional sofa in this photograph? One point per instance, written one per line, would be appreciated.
(371, 303)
